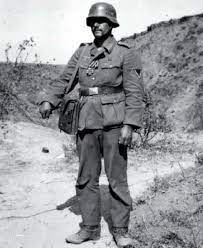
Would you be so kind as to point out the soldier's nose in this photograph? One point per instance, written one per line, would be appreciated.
(96, 24)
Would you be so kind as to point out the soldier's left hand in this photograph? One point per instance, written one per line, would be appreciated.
(126, 135)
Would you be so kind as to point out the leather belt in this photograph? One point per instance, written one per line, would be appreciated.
(103, 90)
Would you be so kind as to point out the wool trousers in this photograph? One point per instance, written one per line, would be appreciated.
(92, 145)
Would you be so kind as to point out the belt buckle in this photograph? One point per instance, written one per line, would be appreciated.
(93, 91)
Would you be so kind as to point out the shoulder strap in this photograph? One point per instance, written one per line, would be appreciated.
(72, 82)
(124, 44)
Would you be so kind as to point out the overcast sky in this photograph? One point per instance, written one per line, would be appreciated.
(58, 26)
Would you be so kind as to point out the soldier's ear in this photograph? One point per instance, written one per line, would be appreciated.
(111, 26)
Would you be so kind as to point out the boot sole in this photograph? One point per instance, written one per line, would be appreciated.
(86, 240)
(127, 246)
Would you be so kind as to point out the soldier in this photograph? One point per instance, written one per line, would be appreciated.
(111, 106)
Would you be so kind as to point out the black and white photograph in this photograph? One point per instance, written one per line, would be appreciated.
(101, 124)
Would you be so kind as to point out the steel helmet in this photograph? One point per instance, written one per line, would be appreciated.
(102, 9)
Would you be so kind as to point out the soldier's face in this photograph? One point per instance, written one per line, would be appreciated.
(101, 27)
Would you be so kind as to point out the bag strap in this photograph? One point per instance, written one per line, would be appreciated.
(71, 82)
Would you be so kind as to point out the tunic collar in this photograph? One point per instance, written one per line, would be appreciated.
(108, 44)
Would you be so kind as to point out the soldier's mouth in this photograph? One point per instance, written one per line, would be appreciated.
(97, 30)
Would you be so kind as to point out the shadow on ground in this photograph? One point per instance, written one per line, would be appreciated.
(73, 205)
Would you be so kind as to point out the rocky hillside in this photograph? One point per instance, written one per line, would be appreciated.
(172, 55)
(19, 89)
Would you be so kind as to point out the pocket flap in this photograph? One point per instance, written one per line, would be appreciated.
(84, 64)
(109, 65)
(113, 98)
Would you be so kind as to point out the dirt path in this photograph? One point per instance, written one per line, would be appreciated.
(32, 181)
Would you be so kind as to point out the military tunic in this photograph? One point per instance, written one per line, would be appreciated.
(118, 66)
(100, 122)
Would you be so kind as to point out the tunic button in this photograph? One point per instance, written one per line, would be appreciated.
(93, 78)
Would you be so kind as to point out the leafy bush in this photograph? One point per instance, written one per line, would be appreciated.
(5, 99)
(153, 122)
(12, 73)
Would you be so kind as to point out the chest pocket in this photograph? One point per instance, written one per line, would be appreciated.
(84, 62)
(110, 64)
(82, 73)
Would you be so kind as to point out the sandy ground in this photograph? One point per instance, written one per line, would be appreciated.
(32, 181)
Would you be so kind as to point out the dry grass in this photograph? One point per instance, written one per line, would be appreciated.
(169, 214)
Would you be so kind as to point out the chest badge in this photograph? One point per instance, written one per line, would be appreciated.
(91, 68)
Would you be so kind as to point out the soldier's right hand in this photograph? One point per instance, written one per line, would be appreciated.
(45, 110)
